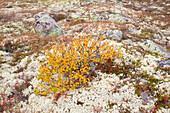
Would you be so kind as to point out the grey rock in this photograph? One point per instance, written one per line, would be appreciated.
(105, 16)
(164, 63)
(77, 29)
(117, 18)
(113, 1)
(95, 17)
(58, 9)
(114, 34)
(158, 35)
(153, 47)
(46, 26)
(104, 1)
(85, 3)
(100, 1)
(146, 98)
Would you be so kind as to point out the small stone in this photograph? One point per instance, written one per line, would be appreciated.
(8, 6)
(78, 29)
(95, 17)
(153, 47)
(85, 3)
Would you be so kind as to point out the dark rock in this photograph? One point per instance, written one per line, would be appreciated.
(58, 16)
(19, 70)
(8, 6)
(8, 47)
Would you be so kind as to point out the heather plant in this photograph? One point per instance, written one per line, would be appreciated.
(24, 45)
(8, 103)
(70, 65)
(151, 87)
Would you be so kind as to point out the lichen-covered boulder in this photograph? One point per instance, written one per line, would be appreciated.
(114, 34)
(46, 26)
(105, 16)
(117, 18)
(99, 17)
(153, 47)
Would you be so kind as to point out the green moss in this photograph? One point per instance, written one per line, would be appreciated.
(28, 61)
(2, 61)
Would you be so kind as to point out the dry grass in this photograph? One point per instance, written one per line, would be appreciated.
(4, 1)
(12, 16)
(7, 17)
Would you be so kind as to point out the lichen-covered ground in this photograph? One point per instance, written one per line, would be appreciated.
(137, 82)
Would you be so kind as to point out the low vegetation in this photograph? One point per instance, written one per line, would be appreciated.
(70, 65)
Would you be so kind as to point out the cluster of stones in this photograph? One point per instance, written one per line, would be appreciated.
(46, 24)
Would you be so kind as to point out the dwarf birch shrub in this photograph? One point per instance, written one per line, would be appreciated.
(68, 66)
